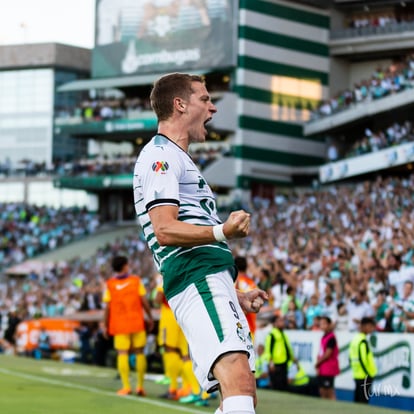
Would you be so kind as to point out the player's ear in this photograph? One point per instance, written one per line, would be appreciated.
(179, 104)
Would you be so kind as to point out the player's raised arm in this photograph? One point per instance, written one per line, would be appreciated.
(170, 231)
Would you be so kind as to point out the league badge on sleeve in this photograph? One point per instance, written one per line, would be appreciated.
(160, 167)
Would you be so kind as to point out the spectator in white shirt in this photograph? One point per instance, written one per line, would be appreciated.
(358, 308)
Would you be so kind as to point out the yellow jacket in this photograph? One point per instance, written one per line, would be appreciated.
(277, 347)
(361, 358)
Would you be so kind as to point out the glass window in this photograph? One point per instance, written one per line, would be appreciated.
(26, 115)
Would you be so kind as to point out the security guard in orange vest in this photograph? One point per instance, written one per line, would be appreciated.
(362, 361)
(125, 303)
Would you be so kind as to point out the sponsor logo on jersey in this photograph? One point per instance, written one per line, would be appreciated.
(201, 182)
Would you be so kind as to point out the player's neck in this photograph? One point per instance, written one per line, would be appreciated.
(175, 134)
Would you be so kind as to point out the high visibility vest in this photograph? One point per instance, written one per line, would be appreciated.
(301, 377)
(261, 365)
(277, 347)
(361, 358)
(126, 314)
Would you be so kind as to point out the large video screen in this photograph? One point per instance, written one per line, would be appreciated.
(146, 36)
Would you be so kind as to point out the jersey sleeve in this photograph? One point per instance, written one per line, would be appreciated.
(160, 173)
(142, 291)
(331, 342)
(141, 288)
(106, 296)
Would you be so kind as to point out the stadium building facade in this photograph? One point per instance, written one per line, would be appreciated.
(270, 66)
(29, 102)
(282, 74)
(266, 64)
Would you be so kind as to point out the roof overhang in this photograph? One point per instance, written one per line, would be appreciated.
(104, 83)
(122, 81)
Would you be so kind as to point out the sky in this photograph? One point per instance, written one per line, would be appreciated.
(37, 21)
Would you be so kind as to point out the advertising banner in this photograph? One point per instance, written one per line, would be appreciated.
(146, 36)
(393, 353)
(374, 161)
(62, 333)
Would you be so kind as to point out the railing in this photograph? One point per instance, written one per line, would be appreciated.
(78, 120)
(391, 28)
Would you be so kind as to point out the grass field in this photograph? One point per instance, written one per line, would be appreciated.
(28, 386)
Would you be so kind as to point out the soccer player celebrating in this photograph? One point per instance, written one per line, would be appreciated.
(177, 212)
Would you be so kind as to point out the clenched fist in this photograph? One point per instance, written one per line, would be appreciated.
(237, 225)
(253, 300)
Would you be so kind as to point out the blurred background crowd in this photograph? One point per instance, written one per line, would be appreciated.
(120, 163)
(343, 251)
(395, 78)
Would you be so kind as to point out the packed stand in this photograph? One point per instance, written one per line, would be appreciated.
(372, 141)
(346, 252)
(370, 23)
(105, 165)
(115, 164)
(28, 230)
(113, 104)
(25, 167)
(382, 19)
(314, 251)
(394, 79)
(67, 287)
(106, 109)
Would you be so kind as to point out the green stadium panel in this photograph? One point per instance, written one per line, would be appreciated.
(282, 75)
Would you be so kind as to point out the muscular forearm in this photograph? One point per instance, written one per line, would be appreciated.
(170, 231)
(178, 233)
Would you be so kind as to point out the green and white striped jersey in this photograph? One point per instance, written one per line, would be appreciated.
(165, 174)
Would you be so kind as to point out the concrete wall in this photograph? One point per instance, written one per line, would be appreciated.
(44, 54)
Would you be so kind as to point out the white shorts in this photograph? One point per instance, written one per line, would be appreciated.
(213, 323)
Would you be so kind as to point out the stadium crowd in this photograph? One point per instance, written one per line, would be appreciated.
(340, 250)
(378, 19)
(350, 253)
(106, 108)
(372, 141)
(27, 230)
(344, 252)
(383, 82)
(372, 23)
(118, 163)
(113, 104)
